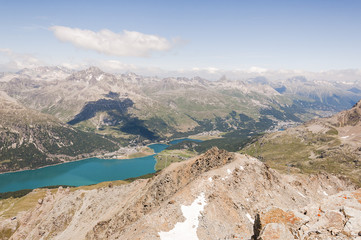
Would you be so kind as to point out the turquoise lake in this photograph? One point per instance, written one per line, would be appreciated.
(83, 172)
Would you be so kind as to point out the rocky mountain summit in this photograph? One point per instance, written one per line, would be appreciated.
(217, 195)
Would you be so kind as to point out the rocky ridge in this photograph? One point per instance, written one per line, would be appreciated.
(217, 195)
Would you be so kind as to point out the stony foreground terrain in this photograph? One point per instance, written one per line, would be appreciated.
(218, 195)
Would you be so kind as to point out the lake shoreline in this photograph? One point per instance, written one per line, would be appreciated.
(99, 156)
(107, 156)
(81, 172)
(92, 171)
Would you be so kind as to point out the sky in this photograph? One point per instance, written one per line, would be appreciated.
(180, 36)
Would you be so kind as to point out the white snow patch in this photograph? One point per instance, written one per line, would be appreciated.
(210, 179)
(188, 228)
(241, 167)
(325, 193)
(345, 137)
(301, 194)
(99, 78)
(250, 218)
(224, 178)
(229, 171)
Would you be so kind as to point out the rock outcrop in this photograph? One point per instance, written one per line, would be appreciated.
(217, 195)
(350, 117)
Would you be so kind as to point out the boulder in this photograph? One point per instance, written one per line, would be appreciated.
(276, 231)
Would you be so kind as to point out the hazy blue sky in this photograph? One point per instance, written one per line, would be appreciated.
(309, 35)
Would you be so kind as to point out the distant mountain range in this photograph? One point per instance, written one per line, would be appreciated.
(138, 108)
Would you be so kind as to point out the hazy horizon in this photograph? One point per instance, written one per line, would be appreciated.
(206, 38)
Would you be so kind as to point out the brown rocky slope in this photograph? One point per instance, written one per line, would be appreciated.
(326, 144)
(217, 195)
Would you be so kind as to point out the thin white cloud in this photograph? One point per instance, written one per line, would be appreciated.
(114, 65)
(126, 43)
(255, 69)
(12, 61)
(111, 66)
